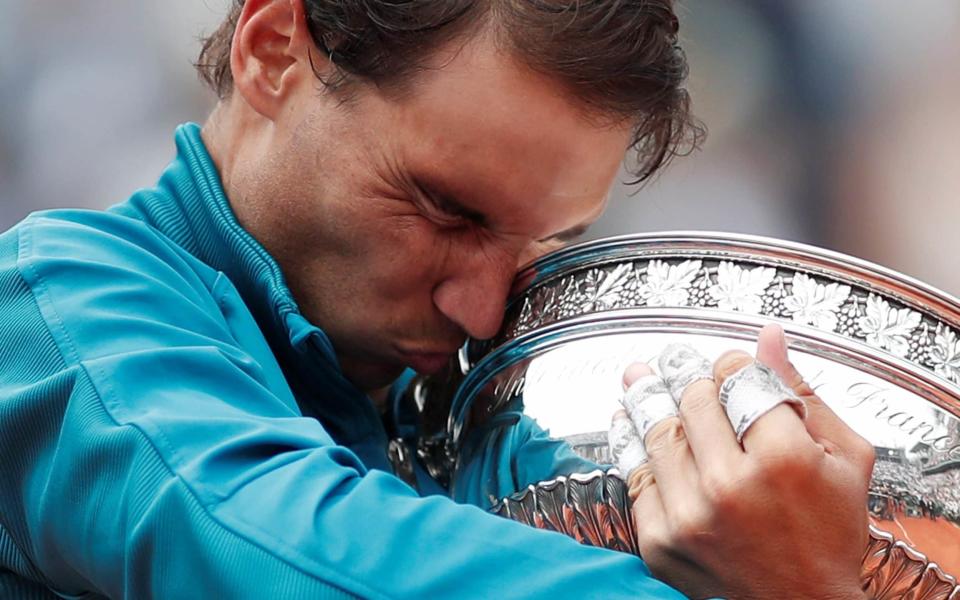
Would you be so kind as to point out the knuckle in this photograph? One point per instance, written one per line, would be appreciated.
(729, 363)
(787, 465)
(718, 489)
(691, 527)
(698, 396)
(639, 480)
(794, 380)
(665, 436)
(799, 385)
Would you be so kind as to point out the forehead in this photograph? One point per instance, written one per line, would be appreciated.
(508, 140)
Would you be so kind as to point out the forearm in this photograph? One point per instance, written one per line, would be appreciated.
(495, 465)
(118, 514)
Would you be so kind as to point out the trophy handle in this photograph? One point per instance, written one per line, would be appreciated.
(594, 509)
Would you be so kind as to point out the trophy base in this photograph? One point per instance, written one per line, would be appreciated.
(594, 508)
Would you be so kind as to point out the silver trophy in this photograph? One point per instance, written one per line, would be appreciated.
(882, 349)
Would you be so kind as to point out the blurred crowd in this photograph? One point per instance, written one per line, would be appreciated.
(834, 123)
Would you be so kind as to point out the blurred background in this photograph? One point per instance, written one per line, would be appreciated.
(831, 122)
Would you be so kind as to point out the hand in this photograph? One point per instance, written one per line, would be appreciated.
(781, 516)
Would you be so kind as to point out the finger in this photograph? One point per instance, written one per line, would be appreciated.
(634, 372)
(655, 540)
(626, 448)
(754, 407)
(822, 423)
(639, 480)
(681, 365)
(647, 402)
(674, 469)
(649, 516)
(654, 413)
(712, 441)
(626, 445)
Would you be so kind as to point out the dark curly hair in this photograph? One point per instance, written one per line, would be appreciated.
(619, 57)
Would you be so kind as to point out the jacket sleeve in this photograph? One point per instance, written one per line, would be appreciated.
(504, 459)
(147, 455)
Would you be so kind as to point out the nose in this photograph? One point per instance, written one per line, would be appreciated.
(474, 294)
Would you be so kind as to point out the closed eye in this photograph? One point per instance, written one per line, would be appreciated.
(450, 209)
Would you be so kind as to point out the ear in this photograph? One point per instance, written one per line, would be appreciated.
(271, 53)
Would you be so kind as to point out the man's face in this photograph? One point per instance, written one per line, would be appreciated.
(400, 223)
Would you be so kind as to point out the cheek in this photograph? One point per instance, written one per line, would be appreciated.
(420, 255)
(410, 256)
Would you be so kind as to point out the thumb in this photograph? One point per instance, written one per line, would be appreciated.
(823, 424)
(772, 351)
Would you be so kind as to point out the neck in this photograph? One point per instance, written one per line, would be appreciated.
(221, 142)
(234, 135)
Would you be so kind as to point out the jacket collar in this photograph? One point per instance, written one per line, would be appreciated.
(190, 208)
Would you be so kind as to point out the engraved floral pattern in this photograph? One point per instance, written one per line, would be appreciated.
(568, 303)
(741, 289)
(603, 289)
(887, 327)
(812, 303)
(778, 293)
(668, 285)
(528, 318)
(944, 353)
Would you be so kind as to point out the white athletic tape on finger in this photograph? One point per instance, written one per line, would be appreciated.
(626, 448)
(648, 402)
(681, 365)
(752, 392)
(622, 433)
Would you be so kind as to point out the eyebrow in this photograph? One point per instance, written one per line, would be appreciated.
(450, 204)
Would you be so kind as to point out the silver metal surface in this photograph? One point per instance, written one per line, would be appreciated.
(594, 509)
(881, 348)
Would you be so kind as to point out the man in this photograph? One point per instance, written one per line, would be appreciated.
(193, 384)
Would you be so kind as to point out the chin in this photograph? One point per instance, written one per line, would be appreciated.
(370, 377)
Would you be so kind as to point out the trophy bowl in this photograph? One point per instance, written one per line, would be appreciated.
(882, 349)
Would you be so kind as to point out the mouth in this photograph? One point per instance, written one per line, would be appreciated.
(427, 363)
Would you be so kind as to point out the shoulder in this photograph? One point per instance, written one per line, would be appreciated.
(85, 236)
(83, 248)
(97, 277)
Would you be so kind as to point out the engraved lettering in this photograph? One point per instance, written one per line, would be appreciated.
(899, 420)
(510, 387)
(875, 399)
(929, 427)
(942, 444)
(817, 382)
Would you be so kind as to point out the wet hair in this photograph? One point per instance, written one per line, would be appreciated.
(620, 58)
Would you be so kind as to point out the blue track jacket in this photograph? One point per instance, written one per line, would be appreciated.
(172, 427)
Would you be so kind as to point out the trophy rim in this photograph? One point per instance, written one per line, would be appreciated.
(754, 247)
(867, 277)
